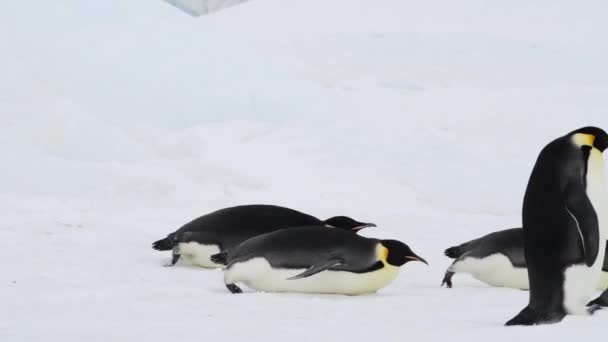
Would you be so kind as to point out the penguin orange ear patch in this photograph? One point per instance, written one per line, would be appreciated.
(382, 252)
(582, 139)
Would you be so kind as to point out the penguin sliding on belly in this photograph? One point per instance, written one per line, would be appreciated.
(226, 228)
(314, 260)
(497, 259)
(565, 227)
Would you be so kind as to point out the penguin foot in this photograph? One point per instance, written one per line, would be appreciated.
(523, 318)
(233, 288)
(601, 300)
(530, 317)
(593, 308)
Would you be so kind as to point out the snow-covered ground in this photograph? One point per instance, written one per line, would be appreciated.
(122, 120)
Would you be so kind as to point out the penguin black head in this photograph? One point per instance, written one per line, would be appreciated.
(347, 223)
(399, 253)
(591, 136)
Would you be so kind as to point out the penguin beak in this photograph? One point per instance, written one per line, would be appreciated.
(414, 257)
(363, 226)
(601, 144)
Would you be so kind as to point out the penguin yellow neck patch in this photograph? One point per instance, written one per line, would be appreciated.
(381, 252)
(581, 139)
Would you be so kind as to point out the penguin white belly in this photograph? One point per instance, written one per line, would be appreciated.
(199, 254)
(495, 270)
(580, 284)
(258, 274)
(580, 281)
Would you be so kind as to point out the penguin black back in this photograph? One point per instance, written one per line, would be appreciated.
(509, 242)
(226, 225)
(300, 247)
(224, 229)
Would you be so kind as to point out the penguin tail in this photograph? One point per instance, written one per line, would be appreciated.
(529, 316)
(165, 244)
(220, 258)
(454, 252)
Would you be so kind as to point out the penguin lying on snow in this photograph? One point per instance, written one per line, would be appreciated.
(565, 226)
(497, 259)
(314, 260)
(226, 228)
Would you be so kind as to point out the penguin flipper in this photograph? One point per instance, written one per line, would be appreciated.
(581, 210)
(447, 279)
(319, 267)
(174, 257)
(233, 288)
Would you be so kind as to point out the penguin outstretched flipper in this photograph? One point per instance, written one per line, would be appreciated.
(322, 266)
(447, 279)
(455, 252)
(174, 257)
(529, 316)
(234, 289)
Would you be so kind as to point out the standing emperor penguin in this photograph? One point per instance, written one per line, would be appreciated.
(565, 227)
(314, 260)
(224, 229)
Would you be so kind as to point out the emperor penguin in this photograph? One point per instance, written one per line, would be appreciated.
(565, 227)
(314, 260)
(223, 229)
(498, 259)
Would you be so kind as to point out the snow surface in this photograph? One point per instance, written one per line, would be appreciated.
(122, 120)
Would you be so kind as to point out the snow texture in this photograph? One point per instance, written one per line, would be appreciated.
(122, 120)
